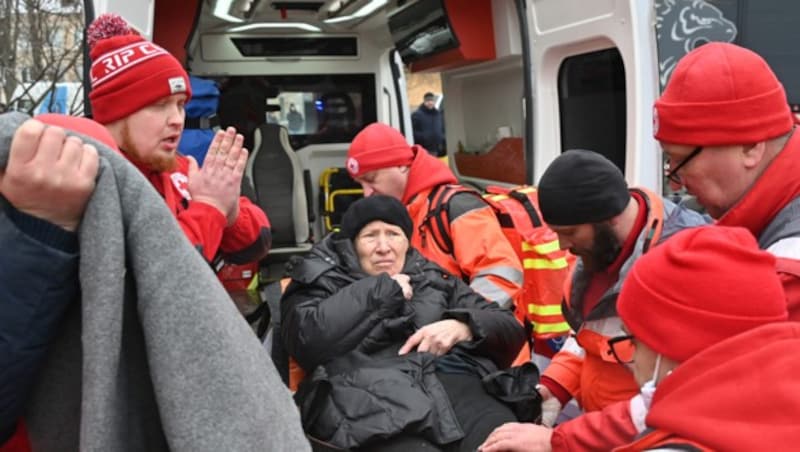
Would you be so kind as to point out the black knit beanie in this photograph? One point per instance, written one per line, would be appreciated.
(376, 207)
(581, 187)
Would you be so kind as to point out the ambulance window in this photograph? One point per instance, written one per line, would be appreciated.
(314, 108)
(591, 93)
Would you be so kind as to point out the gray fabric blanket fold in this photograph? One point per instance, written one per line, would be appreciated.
(155, 356)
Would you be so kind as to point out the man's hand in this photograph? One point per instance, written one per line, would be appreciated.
(517, 437)
(437, 338)
(49, 175)
(544, 392)
(405, 283)
(219, 182)
(551, 406)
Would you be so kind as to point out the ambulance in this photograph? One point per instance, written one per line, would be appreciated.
(522, 80)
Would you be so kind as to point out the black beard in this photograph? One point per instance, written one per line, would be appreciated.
(606, 248)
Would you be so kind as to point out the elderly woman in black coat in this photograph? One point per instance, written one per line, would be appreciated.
(394, 347)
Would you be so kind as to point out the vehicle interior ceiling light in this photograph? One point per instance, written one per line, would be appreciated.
(222, 11)
(364, 11)
(298, 25)
(336, 6)
(248, 8)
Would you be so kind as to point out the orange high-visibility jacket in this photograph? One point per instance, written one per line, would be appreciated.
(481, 252)
(585, 366)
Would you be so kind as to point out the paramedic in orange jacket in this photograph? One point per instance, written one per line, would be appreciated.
(584, 198)
(383, 162)
(138, 92)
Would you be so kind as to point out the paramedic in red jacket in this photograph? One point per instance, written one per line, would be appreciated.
(701, 312)
(705, 317)
(383, 162)
(138, 92)
(726, 128)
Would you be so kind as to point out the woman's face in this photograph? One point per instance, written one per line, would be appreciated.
(381, 248)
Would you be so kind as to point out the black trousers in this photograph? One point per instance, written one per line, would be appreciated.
(478, 413)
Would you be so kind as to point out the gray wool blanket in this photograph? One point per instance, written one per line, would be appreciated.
(155, 356)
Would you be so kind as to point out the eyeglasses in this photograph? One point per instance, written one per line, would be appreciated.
(673, 174)
(621, 347)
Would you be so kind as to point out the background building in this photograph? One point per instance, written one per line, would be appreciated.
(41, 59)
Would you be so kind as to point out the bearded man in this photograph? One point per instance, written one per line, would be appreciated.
(139, 91)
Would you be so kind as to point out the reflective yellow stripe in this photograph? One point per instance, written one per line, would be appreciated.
(542, 248)
(562, 327)
(496, 197)
(501, 196)
(545, 264)
(550, 309)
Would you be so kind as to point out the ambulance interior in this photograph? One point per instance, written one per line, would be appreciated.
(522, 81)
(341, 65)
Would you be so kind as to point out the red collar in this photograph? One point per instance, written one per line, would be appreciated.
(426, 172)
(771, 192)
(630, 241)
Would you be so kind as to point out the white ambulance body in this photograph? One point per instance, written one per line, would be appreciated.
(523, 78)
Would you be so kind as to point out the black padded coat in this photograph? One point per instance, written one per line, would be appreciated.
(344, 328)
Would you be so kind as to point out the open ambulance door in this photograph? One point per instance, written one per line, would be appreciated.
(476, 48)
(595, 79)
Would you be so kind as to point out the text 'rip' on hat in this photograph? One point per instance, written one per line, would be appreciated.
(128, 72)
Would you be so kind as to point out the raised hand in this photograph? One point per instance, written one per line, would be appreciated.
(219, 182)
(49, 175)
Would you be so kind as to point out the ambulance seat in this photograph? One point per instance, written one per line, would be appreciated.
(277, 179)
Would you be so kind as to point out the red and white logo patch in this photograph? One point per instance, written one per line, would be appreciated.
(181, 182)
(352, 166)
(119, 60)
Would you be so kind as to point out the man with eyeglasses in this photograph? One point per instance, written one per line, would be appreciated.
(725, 126)
(585, 199)
(706, 339)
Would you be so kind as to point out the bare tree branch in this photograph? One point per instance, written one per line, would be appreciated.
(40, 47)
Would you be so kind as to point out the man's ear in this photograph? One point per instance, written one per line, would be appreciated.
(404, 169)
(752, 156)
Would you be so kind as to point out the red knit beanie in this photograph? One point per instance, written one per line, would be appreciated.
(377, 146)
(699, 287)
(721, 94)
(128, 72)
